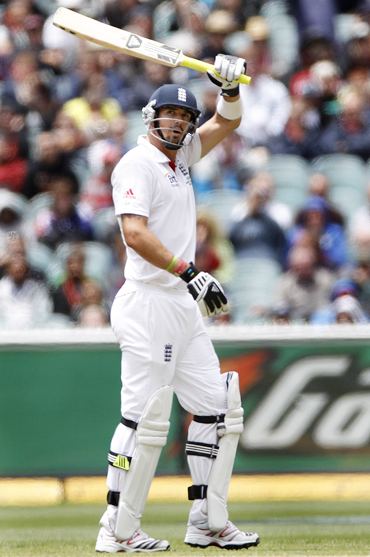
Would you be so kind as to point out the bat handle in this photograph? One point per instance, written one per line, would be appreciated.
(200, 66)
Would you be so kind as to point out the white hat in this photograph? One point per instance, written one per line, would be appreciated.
(13, 201)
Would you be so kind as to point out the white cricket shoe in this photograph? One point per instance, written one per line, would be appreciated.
(139, 541)
(229, 537)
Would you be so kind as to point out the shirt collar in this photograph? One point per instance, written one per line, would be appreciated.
(155, 153)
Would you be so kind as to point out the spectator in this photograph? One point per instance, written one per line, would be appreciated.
(266, 102)
(96, 192)
(350, 133)
(91, 296)
(263, 182)
(214, 252)
(50, 160)
(13, 166)
(299, 136)
(344, 295)
(321, 93)
(303, 287)
(314, 219)
(314, 47)
(257, 234)
(24, 302)
(93, 315)
(93, 110)
(67, 295)
(348, 310)
(12, 210)
(319, 185)
(63, 220)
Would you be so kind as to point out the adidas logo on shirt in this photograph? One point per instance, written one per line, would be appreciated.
(129, 194)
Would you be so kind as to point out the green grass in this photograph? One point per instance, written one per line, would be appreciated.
(286, 529)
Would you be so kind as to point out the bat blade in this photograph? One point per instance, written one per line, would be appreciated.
(116, 39)
(128, 43)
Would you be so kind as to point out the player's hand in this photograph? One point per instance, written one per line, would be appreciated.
(206, 291)
(230, 68)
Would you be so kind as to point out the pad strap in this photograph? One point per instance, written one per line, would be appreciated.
(201, 449)
(197, 492)
(119, 460)
(113, 498)
(209, 419)
(128, 423)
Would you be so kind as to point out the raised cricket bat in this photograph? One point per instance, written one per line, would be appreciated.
(129, 43)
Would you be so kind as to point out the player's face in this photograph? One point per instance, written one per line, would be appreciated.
(174, 123)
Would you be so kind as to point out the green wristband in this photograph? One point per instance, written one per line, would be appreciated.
(172, 264)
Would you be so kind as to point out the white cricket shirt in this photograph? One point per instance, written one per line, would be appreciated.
(145, 184)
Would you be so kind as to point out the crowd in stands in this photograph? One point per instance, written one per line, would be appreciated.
(284, 203)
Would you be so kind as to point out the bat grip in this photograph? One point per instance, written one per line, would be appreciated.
(200, 66)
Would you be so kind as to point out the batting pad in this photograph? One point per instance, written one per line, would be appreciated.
(151, 436)
(220, 476)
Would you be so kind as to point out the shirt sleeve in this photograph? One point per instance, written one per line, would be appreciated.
(132, 188)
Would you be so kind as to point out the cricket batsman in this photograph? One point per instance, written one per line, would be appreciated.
(157, 317)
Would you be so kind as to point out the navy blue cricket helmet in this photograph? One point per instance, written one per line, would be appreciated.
(171, 95)
(174, 95)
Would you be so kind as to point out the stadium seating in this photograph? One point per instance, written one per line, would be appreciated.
(221, 204)
(135, 127)
(347, 175)
(290, 174)
(252, 289)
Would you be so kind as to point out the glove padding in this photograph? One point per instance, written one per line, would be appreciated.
(229, 68)
(209, 294)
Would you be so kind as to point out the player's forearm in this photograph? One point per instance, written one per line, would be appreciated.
(139, 238)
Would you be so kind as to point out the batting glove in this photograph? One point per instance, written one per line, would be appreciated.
(206, 291)
(229, 68)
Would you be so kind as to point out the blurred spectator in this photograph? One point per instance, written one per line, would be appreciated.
(280, 315)
(359, 229)
(96, 191)
(93, 110)
(67, 295)
(314, 47)
(24, 302)
(263, 182)
(219, 24)
(93, 315)
(257, 234)
(303, 287)
(348, 310)
(13, 166)
(344, 295)
(350, 133)
(258, 31)
(63, 220)
(148, 79)
(266, 102)
(214, 252)
(314, 219)
(319, 185)
(13, 208)
(321, 93)
(299, 136)
(91, 296)
(50, 160)
(170, 17)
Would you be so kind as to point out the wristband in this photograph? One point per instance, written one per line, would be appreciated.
(229, 110)
(172, 264)
(189, 273)
(177, 266)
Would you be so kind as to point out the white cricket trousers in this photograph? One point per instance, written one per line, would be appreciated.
(164, 342)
